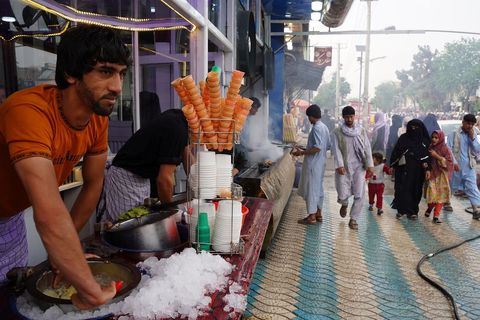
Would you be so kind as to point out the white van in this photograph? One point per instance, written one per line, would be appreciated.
(448, 126)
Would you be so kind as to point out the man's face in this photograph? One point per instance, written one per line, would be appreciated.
(349, 120)
(312, 119)
(100, 87)
(467, 126)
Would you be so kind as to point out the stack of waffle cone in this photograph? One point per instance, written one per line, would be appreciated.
(213, 120)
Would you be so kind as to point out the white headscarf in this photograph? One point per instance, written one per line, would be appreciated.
(380, 122)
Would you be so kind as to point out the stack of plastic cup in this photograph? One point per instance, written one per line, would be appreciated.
(224, 173)
(203, 176)
(228, 223)
(202, 234)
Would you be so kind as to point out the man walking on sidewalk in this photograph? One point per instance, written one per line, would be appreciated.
(313, 170)
(352, 156)
(464, 144)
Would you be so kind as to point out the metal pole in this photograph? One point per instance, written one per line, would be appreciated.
(360, 85)
(366, 104)
(337, 91)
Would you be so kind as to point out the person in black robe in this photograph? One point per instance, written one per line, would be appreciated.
(410, 170)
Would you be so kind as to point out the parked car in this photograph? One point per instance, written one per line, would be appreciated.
(448, 126)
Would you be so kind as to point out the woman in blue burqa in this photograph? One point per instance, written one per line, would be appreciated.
(410, 170)
(397, 122)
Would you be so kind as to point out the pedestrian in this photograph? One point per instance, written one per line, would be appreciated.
(438, 186)
(380, 133)
(397, 122)
(313, 169)
(410, 161)
(465, 144)
(376, 182)
(44, 132)
(431, 123)
(352, 157)
(153, 152)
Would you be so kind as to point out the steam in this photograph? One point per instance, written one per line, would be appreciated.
(257, 140)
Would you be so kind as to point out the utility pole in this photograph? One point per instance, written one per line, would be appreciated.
(366, 104)
(337, 88)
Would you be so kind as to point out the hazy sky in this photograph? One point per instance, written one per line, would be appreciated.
(457, 15)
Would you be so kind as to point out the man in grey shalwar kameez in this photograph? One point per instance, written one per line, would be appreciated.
(352, 157)
(313, 169)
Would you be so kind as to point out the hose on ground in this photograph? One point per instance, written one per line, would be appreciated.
(436, 284)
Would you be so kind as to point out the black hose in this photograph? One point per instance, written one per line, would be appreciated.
(435, 284)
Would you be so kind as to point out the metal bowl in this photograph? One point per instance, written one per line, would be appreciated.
(156, 231)
(109, 270)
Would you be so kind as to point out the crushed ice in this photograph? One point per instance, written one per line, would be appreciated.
(175, 287)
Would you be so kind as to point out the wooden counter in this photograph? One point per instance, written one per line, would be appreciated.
(253, 232)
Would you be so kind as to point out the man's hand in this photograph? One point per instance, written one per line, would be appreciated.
(341, 171)
(84, 302)
(370, 171)
(456, 167)
(471, 133)
(297, 152)
(58, 276)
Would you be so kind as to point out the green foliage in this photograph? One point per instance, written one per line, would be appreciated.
(387, 96)
(438, 78)
(326, 94)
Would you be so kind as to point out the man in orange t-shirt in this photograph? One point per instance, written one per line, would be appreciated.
(44, 132)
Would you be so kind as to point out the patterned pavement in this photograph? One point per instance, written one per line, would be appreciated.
(327, 271)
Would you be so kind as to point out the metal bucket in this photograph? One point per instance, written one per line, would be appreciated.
(156, 231)
(110, 270)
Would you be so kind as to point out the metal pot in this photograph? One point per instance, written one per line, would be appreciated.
(110, 270)
(156, 231)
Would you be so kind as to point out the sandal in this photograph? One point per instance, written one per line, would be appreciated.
(343, 211)
(413, 217)
(436, 220)
(319, 218)
(352, 224)
(306, 221)
(399, 215)
(427, 214)
(447, 207)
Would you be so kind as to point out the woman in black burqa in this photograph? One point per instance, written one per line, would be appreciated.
(410, 173)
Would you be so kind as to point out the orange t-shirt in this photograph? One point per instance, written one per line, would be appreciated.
(32, 125)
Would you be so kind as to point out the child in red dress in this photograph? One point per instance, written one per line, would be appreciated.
(376, 184)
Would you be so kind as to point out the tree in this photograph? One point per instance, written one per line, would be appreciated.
(419, 83)
(387, 96)
(326, 94)
(459, 70)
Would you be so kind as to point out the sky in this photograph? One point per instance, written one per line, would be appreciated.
(397, 50)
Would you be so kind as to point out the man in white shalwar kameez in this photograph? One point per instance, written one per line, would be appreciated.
(313, 170)
(352, 157)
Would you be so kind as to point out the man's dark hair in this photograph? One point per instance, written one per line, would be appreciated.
(82, 47)
(256, 103)
(348, 111)
(470, 118)
(314, 111)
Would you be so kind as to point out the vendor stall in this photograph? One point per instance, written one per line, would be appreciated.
(253, 232)
(273, 182)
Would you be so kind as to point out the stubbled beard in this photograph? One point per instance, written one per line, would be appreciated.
(94, 104)
(102, 111)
